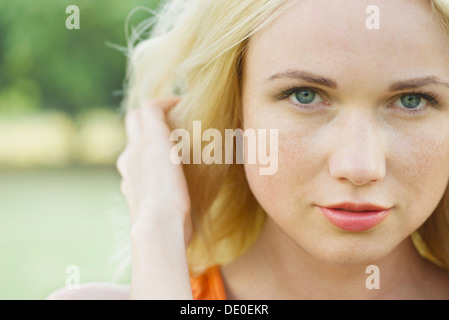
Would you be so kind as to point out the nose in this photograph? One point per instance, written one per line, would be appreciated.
(358, 154)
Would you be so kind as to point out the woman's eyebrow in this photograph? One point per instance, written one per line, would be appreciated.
(305, 76)
(417, 83)
(326, 82)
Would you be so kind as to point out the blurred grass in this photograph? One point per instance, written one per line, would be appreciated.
(53, 218)
(54, 139)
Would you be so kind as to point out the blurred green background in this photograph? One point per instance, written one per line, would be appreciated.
(61, 131)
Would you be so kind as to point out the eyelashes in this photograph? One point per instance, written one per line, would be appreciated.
(413, 102)
(311, 98)
(288, 92)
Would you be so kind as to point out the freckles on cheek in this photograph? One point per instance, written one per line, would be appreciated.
(293, 155)
(424, 163)
(297, 166)
(264, 188)
(276, 193)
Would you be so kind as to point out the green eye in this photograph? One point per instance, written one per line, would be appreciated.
(306, 96)
(412, 101)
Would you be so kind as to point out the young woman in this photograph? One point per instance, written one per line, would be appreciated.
(359, 96)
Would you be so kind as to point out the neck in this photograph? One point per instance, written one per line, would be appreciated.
(281, 269)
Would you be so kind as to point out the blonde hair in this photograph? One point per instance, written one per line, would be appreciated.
(432, 238)
(195, 51)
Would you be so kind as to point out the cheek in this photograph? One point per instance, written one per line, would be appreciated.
(282, 192)
(420, 166)
(301, 161)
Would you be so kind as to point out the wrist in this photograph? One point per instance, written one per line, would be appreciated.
(156, 229)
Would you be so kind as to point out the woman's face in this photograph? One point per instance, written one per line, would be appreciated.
(363, 117)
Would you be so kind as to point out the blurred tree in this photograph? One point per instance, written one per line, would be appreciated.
(43, 65)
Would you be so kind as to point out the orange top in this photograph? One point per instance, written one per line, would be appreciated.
(209, 285)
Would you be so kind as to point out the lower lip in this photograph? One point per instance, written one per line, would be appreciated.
(354, 221)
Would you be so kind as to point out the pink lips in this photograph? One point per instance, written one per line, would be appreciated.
(355, 217)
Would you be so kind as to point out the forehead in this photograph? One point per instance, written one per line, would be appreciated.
(331, 37)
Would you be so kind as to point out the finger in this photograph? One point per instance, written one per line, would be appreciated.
(153, 118)
(132, 124)
(121, 163)
(168, 103)
(160, 106)
(123, 187)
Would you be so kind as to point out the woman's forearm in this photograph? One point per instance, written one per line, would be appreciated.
(159, 264)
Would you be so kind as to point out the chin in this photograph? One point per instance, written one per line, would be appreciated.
(350, 252)
(349, 259)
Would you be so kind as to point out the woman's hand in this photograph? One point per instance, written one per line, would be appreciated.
(154, 187)
(157, 195)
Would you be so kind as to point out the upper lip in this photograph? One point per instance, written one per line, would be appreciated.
(357, 206)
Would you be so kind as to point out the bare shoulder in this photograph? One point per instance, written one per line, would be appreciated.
(92, 291)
